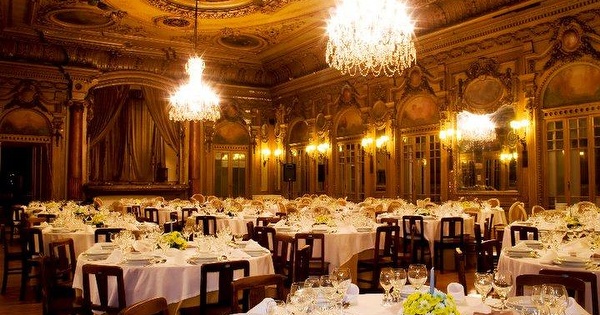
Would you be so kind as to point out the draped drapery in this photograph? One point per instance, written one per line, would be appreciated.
(132, 144)
(106, 106)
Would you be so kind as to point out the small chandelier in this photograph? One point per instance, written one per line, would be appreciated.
(194, 100)
(372, 36)
(476, 128)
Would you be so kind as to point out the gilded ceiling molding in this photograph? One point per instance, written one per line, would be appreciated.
(220, 9)
(571, 42)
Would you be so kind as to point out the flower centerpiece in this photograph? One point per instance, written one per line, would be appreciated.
(98, 219)
(175, 240)
(572, 222)
(426, 303)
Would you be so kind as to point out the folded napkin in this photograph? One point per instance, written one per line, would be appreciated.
(144, 246)
(352, 293)
(520, 245)
(573, 308)
(261, 308)
(579, 248)
(549, 256)
(457, 291)
(253, 245)
(237, 253)
(131, 227)
(115, 257)
(280, 223)
(88, 229)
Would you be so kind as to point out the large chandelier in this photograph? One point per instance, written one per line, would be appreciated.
(194, 100)
(372, 36)
(476, 128)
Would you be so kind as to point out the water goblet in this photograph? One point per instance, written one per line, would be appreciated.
(483, 284)
(385, 280)
(502, 284)
(398, 282)
(555, 297)
(417, 275)
(326, 288)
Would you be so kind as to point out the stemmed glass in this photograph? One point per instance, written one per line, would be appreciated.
(386, 277)
(327, 288)
(417, 275)
(555, 297)
(483, 284)
(398, 283)
(502, 284)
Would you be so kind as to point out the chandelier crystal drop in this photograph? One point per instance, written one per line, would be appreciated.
(374, 36)
(476, 128)
(194, 100)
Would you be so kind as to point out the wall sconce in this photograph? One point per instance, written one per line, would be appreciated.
(315, 150)
(519, 128)
(506, 157)
(265, 154)
(380, 144)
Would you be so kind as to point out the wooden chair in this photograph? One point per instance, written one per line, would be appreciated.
(575, 287)
(488, 227)
(171, 226)
(265, 236)
(517, 212)
(155, 306)
(389, 221)
(209, 224)
(523, 233)
(461, 265)
(451, 236)
(102, 274)
(136, 210)
(56, 298)
(302, 263)
(385, 254)
(421, 245)
(47, 217)
(33, 249)
(16, 221)
(151, 214)
(250, 229)
(185, 213)
(199, 198)
(12, 259)
(264, 221)
(63, 254)
(494, 202)
(253, 290)
(106, 233)
(585, 276)
(487, 255)
(537, 209)
(225, 271)
(284, 257)
(318, 265)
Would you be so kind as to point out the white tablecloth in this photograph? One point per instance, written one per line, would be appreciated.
(82, 240)
(175, 280)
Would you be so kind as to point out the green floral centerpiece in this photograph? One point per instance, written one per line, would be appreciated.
(425, 303)
(322, 219)
(175, 240)
(572, 222)
(98, 218)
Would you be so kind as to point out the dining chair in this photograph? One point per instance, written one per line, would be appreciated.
(385, 254)
(408, 256)
(199, 198)
(575, 287)
(487, 255)
(171, 226)
(420, 242)
(155, 306)
(185, 213)
(32, 247)
(460, 262)
(494, 202)
(389, 221)
(13, 258)
(47, 217)
(302, 263)
(451, 235)
(318, 265)
(585, 276)
(102, 274)
(63, 253)
(521, 232)
(151, 214)
(225, 272)
(105, 233)
(488, 227)
(56, 298)
(517, 212)
(265, 237)
(136, 210)
(253, 290)
(209, 224)
(284, 256)
(537, 209)
(264, 221)
(250, 229)
(17, 220)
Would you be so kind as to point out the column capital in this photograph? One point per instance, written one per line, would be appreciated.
(81, 81)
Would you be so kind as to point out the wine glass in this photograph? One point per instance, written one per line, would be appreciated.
(536, 296)
(417, 275)
(386, 277)
(483, 284)
(311, 286)
(341, 278)
(502, 284)
(327, 288)
(398, 283)
(276, 307)
(555, 297)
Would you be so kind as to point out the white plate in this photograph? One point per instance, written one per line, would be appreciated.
(571, 261)
(197, 260)
(106, 245)
(97, 254)
(520, 303)
(408, 289)
(140, 258)
(364, 229)
(255, 252)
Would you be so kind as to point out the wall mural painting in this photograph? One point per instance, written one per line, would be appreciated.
(231, 133)
(299, 133)
(576, 84)
(350, 124)
(25, 122)
(420, 110)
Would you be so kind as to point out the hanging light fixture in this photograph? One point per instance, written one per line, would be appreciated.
(194, 100)
(374, 36)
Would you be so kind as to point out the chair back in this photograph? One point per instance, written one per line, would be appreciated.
(387, 240)
(537, 209)
(250, 229)
(208, 223)
(452, 231)
(151, 214)
(102, 274)
(63, 253)
(487, 255)
(284, 256)
(155, 306)
(408, 221)
(225, 271)
(264, 221)
(389, 221)
(302, 263)
(47, 217)
(494, 202)
(199, 198)
(185, 213)
(461, 262)
(253, 290)
(585, 276)
(488, 227)
(523, 233)
(478, 236)
(517, 212)
(317, 242)
(265, 236)
(106, 233)
(171, 226)
(575, 287)
(32, 242)
(136, 210)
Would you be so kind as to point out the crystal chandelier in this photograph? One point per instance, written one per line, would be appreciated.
(194, 100)
(372, 36)
(475, 128)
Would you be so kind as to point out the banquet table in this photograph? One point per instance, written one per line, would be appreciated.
(173, 278)
(371, 304)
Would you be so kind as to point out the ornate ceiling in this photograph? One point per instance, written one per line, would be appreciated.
(274, 40)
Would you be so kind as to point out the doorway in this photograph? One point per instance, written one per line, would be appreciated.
(24, 172)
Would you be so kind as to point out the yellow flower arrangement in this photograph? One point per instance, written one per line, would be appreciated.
(421, 303)
(572, 222)
(175, 240)
(98, 218)
(322, 219)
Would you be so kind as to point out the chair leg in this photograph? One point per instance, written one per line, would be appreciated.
(24, 282)
(4, 277)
